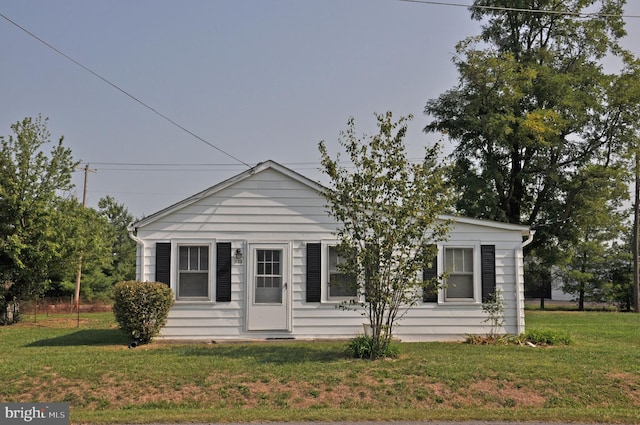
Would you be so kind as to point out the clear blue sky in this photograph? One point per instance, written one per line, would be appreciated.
(258, 79)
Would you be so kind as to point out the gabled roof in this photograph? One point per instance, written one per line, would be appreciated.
(524, 230)
(272, 165)
(260, 167)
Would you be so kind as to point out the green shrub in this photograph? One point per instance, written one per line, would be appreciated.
(532, 336)
(366, 347)
(547, 337)
(141, 308)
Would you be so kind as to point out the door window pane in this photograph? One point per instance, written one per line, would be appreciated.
(268, 280)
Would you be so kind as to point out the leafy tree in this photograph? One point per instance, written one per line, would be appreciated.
(388, 209)
(598, 221)
(538, 278)
(84, 233)
(533, 115)
(32, 242)
(619, 272)
(123, 249)
(626, 105)
(109, 255)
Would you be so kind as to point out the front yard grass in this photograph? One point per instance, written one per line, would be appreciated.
(596, 379)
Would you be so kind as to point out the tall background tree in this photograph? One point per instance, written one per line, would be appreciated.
(44, 230)
(122, 249)
(532, 116)
(108, 255)
(32, 247)
(627, 105)
(85, 233)
(619, 285)
(388, 209)
(599, 220)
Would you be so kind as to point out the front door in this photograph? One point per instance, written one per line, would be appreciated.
(268, 287)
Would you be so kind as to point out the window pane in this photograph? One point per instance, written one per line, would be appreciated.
(275, 282)
(204, 258)
(268, 296)
(459, 260)
(333, 258)
(341, 285)
(468, 260)
(184, 258)
(193, 258)
(460, 286)
(448, 264)
(193, 285)
(268, 281)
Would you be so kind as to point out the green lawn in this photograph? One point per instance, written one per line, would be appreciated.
(596, 379)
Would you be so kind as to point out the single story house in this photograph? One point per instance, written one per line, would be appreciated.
(252, 258)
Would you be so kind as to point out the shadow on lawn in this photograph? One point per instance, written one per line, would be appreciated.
(84, 337)
(272, 353)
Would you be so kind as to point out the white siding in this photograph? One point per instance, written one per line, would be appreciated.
(270, 206)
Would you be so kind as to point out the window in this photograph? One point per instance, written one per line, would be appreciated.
(193, 272)
(458, 263)
(341, 285)
(269, 276)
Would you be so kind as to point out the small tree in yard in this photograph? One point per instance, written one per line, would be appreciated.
(493, 306)
(388, 212)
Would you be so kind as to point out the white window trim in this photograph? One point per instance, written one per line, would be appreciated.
(324, 276)
(175, 267)
(477, 282)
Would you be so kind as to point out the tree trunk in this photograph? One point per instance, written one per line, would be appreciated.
(581, 300)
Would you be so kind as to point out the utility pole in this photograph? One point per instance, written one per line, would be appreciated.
(636, 236)
(86, 170)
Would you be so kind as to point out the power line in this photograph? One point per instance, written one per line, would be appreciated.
(515, 9)
(160, 166)
(126, 93)
(165, 164)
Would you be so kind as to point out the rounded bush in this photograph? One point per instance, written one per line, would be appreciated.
(141, 308)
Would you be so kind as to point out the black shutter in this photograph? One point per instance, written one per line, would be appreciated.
(314, 252)
(223, 271)
(430, 293)
(163, 262)
(488, 257)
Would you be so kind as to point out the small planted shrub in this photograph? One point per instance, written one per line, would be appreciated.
(141, 308)
(547, 337)
(366, 347)
(532, 337)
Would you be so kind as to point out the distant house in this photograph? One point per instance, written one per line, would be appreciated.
(252, 258)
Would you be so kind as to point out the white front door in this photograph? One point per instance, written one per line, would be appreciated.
(268, 287)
